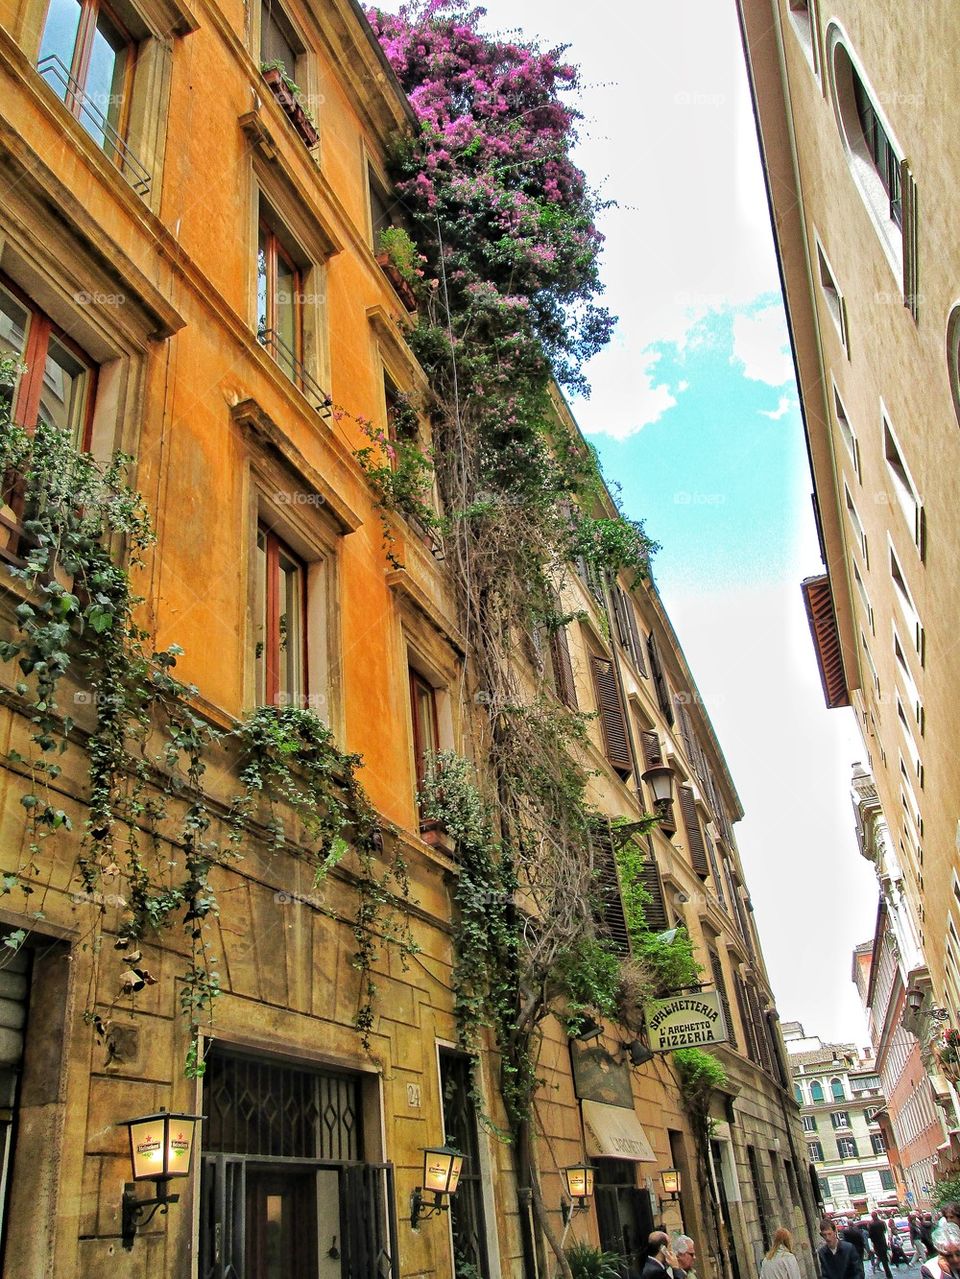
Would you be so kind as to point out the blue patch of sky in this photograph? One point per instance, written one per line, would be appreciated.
(716, 482)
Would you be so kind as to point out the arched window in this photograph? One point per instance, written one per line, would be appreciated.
(836, 1087)
(875, 158)
(816, 1092)
(798, 1094)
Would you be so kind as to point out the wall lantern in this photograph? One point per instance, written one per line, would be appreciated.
(638, 1052)
(441, 1175)
(914, 1000)
(161, 1146)
(672, 1182)
(590, 1028)
(578, 1183)
(660, 780)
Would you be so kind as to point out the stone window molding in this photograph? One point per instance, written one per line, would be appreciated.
(844, 70)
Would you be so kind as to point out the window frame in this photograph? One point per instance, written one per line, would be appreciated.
(839, 1118)
(831, 292)
(904, 595)
(849, 436)
(815, 1152)
(847, 1141)
(416, 680)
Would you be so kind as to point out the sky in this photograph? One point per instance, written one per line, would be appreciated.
(695, 415)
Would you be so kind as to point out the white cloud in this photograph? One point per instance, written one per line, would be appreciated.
(760, 345)
(626, 393)
(782, 409)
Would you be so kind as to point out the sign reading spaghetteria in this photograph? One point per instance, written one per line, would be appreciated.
(685, 1021)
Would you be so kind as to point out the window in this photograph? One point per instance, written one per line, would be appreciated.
(280, 302)
(815, 1152)
(58, 384)
(467, 1223)
(628, 632)
(885, 160)
(886, 1179)
(809, 1123)
(799, 1096)
(836, 1087)
(876, 164)
(906, 675)
(87, 57)
(855, 1184)
(907, 606)
(866, 1083)
(840, 1119)
(659, 681)
(280, 638)
(426, 729)
(278, 40)
(831, 294)
(878, 1143)
(873, 672)
(801, 19)
(864, 597)
(816, 1092)
(380, 208)
(716, 969)
(903, 486)
(846, 430)
(857, 526)
(846, 1148)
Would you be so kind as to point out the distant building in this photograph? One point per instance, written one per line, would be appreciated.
(838, 1090)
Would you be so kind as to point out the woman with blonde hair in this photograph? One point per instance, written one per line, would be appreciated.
(780, 1263)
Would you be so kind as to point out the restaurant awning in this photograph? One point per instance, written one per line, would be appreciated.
(614, 1132)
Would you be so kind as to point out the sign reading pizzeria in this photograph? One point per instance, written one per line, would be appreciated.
(685, 1021)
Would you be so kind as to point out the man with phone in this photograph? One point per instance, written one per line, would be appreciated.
(661, 1260)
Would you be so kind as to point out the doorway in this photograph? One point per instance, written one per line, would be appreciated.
(624, 1215)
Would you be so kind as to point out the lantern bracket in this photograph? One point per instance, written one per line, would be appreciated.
(133, 1209)
(422, 1210)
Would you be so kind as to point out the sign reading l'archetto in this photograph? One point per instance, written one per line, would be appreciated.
(685, 1021)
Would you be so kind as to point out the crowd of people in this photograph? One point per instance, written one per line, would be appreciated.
(934, 1246)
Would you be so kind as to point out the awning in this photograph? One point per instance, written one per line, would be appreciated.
(614, 1132)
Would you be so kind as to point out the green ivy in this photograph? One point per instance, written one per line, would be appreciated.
(700, 1074)
(671, 963)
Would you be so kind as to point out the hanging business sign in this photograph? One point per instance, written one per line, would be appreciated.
(685, 1021)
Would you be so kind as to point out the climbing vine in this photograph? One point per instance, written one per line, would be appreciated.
(505, 225)
(86, 674)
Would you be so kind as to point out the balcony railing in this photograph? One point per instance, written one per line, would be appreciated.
(296, 371)
(94, 121)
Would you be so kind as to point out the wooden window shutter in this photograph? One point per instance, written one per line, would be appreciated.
(716, 967)
(636, 644)
(655, 909)
(750, 1043)
(563, 667)
(605, 864)
(685, 733)
(659, 683)
(612, 719)
(698, 853)
(652, 751)
(759, 1019)
(714, 868)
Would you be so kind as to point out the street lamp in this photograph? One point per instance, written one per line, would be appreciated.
(672, 1182)
(914, 1000)
(638, 1052)
(161, 1147)
(442, 1166)
(578, 1183)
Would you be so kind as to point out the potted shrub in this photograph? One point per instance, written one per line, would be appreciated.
(288, 93)
(588, 1262)
(399, 260)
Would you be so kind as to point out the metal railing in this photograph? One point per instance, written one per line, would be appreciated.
(296, 371)
(94, 121)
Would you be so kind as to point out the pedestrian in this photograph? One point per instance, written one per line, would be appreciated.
(780, 1262)
(855, 1236)
(877, 1231)
(685, 1251)
(926, 1232)
(951, 1212)
(660, 1260)
(837, 1258)
(916, 1239)
(946, 1264)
